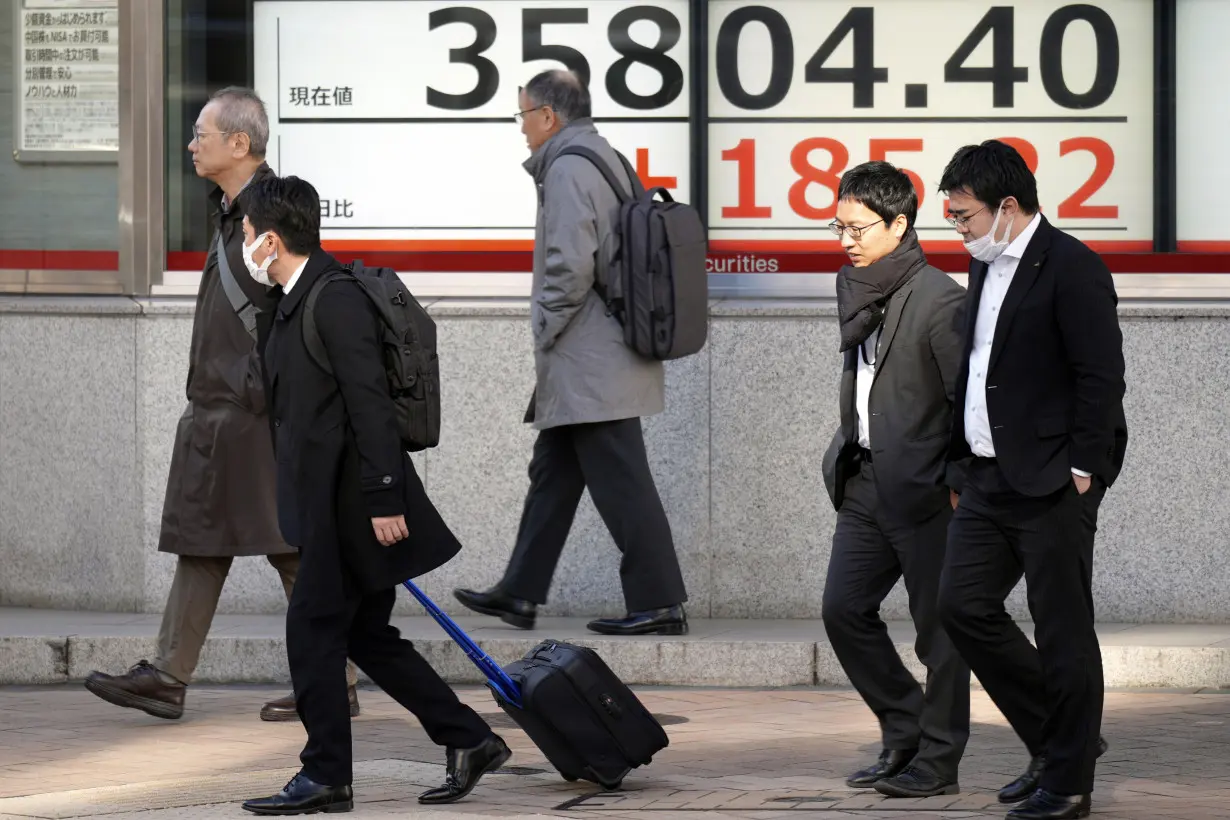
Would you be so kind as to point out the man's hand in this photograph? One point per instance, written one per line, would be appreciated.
(954, 497)
(390, 530)
(1082, 483)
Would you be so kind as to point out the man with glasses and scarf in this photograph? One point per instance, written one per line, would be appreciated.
(887, 475)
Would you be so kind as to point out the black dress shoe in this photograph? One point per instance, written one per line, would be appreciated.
(1027, 784)
(1043, 805)
(303, 796)
(891, 762)
(465, 768)
(284, 708)
(915, 782)
(510, 610)
(669, 620)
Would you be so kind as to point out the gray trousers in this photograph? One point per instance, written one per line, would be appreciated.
(191, 606)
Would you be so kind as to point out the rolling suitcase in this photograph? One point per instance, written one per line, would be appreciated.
(585, 720)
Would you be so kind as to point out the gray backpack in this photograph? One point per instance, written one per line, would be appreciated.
(659, 290)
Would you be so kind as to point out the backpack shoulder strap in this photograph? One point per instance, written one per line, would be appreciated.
(311, 335)
(637, 191)
(234, 293)
(374, 288)
(637, 188)
(605, 170)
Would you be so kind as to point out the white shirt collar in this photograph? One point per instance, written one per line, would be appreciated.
(1016, 249)
(294, 277)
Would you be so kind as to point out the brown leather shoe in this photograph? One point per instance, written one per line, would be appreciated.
(284, 708)
(142, 687)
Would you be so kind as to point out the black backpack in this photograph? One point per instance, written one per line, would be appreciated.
(660, 289)
(408, 337)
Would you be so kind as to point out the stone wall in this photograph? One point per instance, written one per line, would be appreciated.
(90, 390)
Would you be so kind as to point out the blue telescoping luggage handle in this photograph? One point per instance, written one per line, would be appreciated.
(505, 686)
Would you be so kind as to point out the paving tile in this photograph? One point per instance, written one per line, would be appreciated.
(741, 753)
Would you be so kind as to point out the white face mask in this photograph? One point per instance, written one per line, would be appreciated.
(986, 248)
(259, 272)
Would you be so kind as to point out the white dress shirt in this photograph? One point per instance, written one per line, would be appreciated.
(863, 377)
(294, 277)
(998, 280)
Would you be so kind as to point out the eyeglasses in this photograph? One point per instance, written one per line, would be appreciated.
(197, 133)
(855, 231)
(520, 115)
(957, 221)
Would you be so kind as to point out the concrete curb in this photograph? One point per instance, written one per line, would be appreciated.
(705, 661)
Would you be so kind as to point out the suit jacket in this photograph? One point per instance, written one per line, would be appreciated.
(911, 402)
(1055, 383)
(340, 459)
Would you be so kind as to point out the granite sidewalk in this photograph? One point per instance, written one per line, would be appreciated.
(45, 646)
(767, 754)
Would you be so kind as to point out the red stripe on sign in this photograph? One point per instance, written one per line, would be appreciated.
(1203, 246)
(763, 262)
(404, 261)
(929, 245)
(429, 245)
(770, 263)
(59, 260)
(1194, 257)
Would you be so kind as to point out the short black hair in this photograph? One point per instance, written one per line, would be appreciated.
(992, 172)
(563, 91)
(883, 188)
(288, 206)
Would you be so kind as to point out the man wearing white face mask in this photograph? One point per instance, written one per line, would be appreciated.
(220, 495)
(1040, 416)
(260, 272)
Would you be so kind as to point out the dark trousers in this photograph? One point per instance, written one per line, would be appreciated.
(1052, 695)
(317, 648)
(609, 460)
(870, 552)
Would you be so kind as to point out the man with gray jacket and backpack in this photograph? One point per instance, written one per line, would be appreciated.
(592, 387)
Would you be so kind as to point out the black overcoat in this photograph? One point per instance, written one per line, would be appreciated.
(340, 460)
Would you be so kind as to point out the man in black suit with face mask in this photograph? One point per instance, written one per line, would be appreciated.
(350, 500)
(1040, 420)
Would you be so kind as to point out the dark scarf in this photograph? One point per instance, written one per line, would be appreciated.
(863, 293)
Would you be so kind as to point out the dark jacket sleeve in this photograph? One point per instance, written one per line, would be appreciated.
(1088, 320)
(947, 341)
(348, 323)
